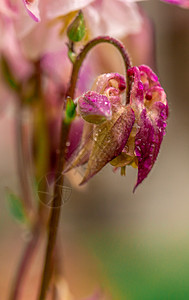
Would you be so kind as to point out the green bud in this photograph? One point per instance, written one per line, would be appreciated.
(72, 56)
(76, 30)
(70, 110)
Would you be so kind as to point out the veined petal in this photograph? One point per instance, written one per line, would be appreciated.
(32, 7)
(109, 139)
(94, 107)
(148, 139)
(137, 90)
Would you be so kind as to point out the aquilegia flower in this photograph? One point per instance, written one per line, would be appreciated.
(122, 134)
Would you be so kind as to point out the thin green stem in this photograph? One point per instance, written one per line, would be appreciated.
(55, 214)
(82, 55)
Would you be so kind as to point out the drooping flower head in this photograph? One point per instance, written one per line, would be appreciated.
(122, 134)
(148, 100)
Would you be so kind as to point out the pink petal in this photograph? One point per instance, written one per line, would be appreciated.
(105, 81)
(94, 107)
(137, 91)
(109, 140)
(32, 7)
(116, 18)
(148, 140)
(62, 7)
(151, 75)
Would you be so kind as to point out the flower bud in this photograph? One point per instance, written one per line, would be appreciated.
(94, 108)
(76, 30)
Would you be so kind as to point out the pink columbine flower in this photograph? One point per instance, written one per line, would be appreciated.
(124, 134)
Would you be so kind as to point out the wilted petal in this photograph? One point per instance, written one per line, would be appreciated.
(109, 139)
(32, 7)
(148, 99)
(148, 140)
(137, 90)
(94, 107)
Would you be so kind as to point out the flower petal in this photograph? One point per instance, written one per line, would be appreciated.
(94, 107)
(109, 80)
(137, 91)
(116, 18)
(32, 7)
(109, 139)
(148, 140)
(62, 7)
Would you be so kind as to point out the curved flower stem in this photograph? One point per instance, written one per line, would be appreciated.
(82, 55)
(59, 179)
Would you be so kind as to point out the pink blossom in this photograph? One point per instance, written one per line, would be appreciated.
(103, 17)
(135, 132)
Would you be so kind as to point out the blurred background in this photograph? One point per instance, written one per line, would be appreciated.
(133, 246)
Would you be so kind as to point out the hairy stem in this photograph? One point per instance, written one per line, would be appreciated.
(82, 55)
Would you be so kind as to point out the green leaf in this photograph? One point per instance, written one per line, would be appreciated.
(70, 110)
(72, 56)
(76, 30)
(7, 74)
(16, 207)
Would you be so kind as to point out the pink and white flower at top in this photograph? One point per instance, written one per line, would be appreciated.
(39, 32)
(134, 133)
(182, 3)
(104, 17)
